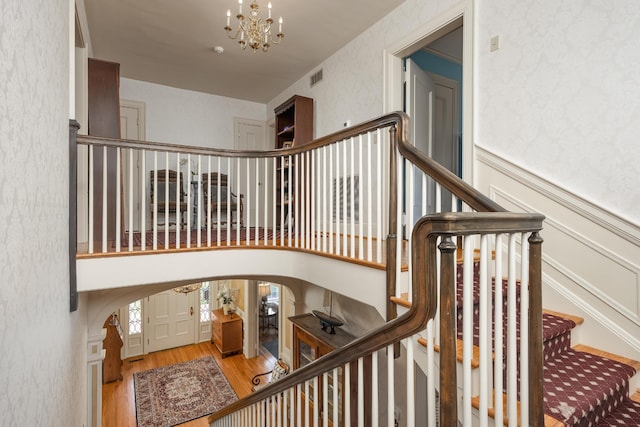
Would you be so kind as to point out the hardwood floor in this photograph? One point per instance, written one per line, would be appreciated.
(118, 398)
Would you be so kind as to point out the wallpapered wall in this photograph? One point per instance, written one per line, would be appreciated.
(191, 118)
(43, 345)
(560, 97)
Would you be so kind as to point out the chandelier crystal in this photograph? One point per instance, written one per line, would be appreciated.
(253, 31)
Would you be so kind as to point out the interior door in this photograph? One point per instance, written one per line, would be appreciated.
(445, 147)
(250, 135)
(419, 105)
(171, 320)
(130, 128)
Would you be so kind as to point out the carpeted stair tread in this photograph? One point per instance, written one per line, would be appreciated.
(635, 364)
(576, 319)
(625, 415)
(582, 388)
(548, 420)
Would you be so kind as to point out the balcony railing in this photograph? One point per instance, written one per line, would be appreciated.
(366, 194)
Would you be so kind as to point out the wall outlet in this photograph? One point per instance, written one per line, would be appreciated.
(346, 123)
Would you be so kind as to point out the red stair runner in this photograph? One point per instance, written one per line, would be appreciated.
(580, 389)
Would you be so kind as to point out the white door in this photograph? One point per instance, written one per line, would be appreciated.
(131, 127)
(445, 147)
(419, 98)
(250, 135)
(171, 320)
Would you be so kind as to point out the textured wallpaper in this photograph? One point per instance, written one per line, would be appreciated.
(352, 85)
(561, 97)
(42, 345)
(191, 118)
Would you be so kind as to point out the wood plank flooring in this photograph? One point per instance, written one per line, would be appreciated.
(118, 398)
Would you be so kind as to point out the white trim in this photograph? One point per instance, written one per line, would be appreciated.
(604, 218)
(612, 316)
(611, 326)
(442, 55)
(432, 30)
(81, 12)
(602, 251)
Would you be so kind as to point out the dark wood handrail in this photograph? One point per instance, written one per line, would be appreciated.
(397, 119)
(449, 180)
(490, 218)
(425, 235)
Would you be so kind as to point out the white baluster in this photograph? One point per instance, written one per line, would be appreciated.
(118, 198)
(467, 328)
(498, 386)
(524, 328)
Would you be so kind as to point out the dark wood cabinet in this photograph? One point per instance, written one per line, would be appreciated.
(112, 344)
(309, 343)
(226, 332)
(294, 121)
(104, 120)
(294, 127)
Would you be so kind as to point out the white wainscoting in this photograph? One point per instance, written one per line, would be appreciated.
(590, 256)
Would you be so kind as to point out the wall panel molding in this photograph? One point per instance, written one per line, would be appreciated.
(590, 255)
(614, 223)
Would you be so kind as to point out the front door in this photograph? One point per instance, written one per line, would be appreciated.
(171, 320)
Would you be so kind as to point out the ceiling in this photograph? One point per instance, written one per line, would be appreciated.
(170, 42)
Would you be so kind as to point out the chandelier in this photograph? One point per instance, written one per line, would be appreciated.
(253, 30)
(188, 288)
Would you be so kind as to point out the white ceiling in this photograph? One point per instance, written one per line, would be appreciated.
(170, 42)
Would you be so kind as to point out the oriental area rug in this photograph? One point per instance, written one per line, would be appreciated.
(175, 394)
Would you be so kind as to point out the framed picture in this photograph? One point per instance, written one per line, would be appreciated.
(287, 144)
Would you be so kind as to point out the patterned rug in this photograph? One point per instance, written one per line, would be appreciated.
(175, 394)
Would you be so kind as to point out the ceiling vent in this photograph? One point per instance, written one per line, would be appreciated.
(316, 78)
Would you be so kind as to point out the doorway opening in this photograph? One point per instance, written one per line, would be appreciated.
(447, 38)
(268, 317)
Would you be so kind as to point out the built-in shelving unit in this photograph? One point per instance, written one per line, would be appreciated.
(294, 127)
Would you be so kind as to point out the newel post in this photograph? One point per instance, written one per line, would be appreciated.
(536, 357)
(74, 126)
(448, 361)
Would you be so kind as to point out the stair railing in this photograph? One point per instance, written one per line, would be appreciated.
(329, 196)
(288, 402)
(349, 194)
(434, 267)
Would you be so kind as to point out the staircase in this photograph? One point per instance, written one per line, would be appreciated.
(409, 225)
(583, 386)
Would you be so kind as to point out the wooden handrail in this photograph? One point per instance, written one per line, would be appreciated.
(425, 235)
(449, 180)
(489, 218)
(397, 119)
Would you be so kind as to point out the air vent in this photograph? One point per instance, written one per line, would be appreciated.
(316, 78)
